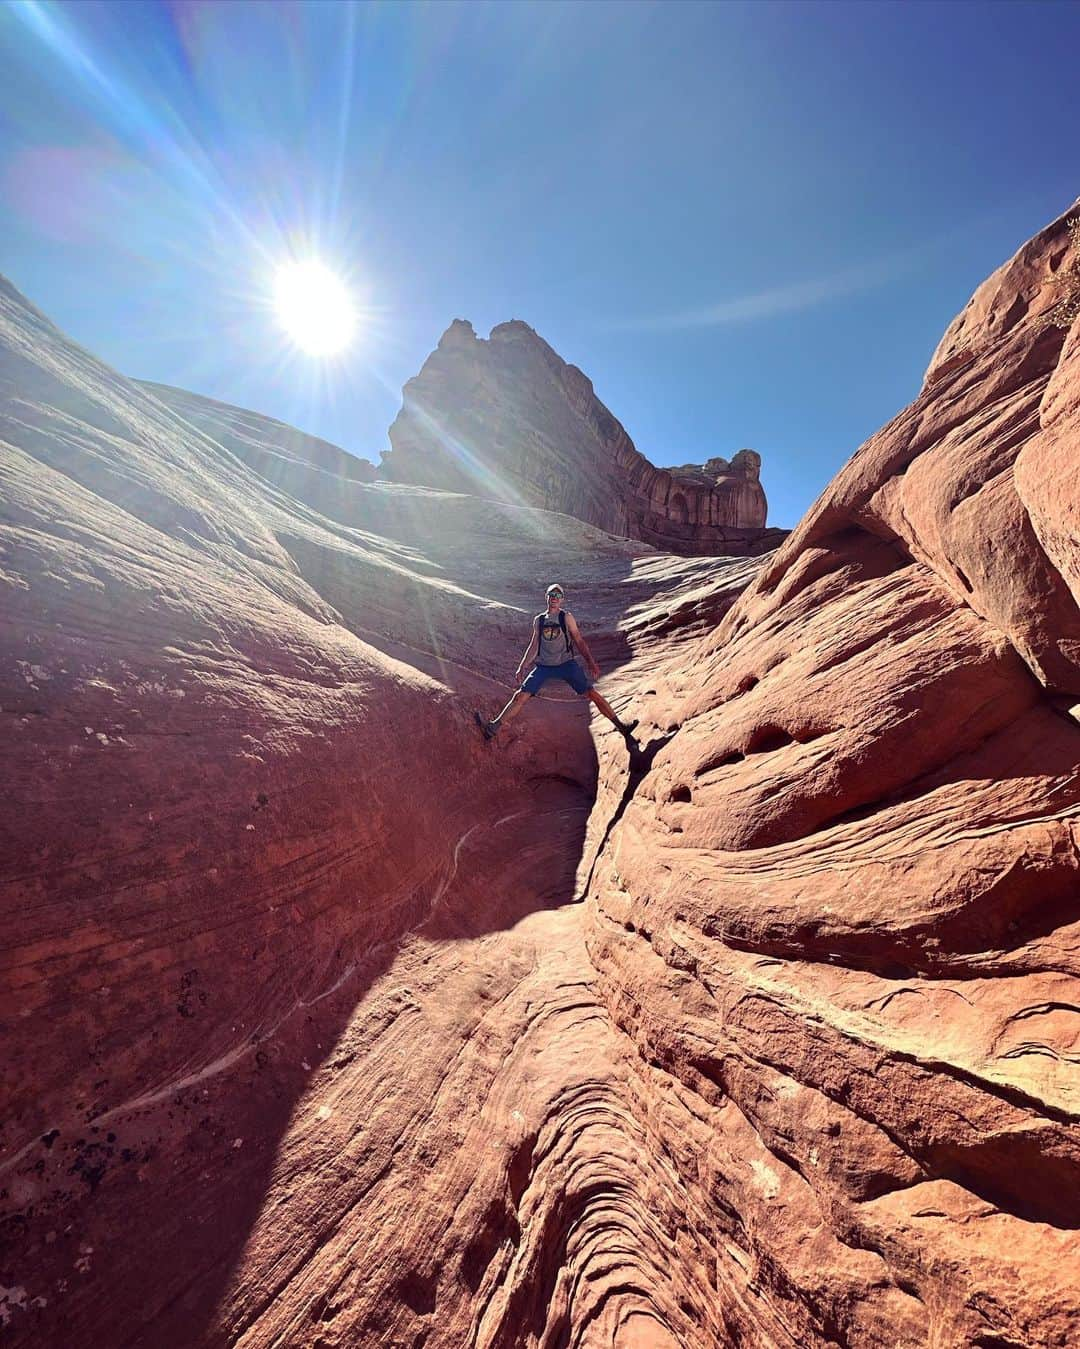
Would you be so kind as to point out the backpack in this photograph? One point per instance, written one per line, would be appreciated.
(562, 624)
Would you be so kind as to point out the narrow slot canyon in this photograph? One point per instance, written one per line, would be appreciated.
(419, 1123)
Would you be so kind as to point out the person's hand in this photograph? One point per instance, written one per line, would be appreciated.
(594, 673)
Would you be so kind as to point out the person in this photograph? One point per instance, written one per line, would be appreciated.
(551, 647)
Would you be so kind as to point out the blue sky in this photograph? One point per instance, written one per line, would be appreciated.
(749, 224)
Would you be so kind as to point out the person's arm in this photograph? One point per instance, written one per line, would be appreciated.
(583, 646)
(530, 652)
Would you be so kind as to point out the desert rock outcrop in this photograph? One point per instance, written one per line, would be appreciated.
(841, 908)
(305, 1041)
(508, 418)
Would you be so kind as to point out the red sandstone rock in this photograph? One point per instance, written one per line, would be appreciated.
(508, 418)
(841, 907)
(298, 1036)
(304, 1043)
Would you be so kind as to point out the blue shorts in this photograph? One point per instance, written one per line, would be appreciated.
(570, 670)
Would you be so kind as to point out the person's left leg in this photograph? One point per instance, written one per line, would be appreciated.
(598, 700)
(530, 687)
(576, 677)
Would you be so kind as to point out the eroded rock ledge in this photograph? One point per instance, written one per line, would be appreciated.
(508, 418)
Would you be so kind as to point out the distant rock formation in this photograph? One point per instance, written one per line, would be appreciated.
(508, 418)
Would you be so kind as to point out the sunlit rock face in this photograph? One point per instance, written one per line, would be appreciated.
(276, 451)
(324, 1023)
(840, 915)
(508, 418)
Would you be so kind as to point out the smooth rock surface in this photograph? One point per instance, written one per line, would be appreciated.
(276, 451)
(508, 418)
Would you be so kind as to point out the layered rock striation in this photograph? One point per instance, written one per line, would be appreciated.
(276, 451)
(306, 1037)
(508, 418)
(839, 915)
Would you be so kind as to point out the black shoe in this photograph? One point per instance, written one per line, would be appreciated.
(489, 728)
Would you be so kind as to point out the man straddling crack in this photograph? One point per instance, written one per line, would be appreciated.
(554, 636)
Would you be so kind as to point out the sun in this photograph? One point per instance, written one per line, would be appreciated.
(314, 307)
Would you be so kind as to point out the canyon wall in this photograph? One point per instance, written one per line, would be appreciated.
(323, 1022)
(840, 915)
(508, 418)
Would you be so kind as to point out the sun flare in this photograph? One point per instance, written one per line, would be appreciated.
(314, 307)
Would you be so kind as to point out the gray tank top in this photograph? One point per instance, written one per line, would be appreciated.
(552, 649)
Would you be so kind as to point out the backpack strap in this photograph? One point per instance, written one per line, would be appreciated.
(566, 635)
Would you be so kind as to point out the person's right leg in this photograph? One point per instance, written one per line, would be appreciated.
(533, 680)
(512, 708)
